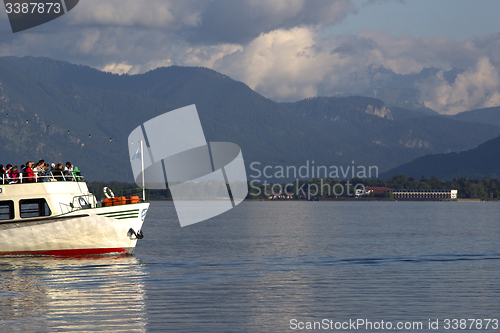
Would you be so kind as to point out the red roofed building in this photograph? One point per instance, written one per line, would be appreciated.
(378, 191)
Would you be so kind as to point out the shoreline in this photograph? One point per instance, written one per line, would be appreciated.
(362, 200)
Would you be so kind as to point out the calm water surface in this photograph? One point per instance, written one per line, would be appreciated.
(259, 266)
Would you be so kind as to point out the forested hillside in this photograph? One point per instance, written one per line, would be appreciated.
(59, 111)
(480, 162)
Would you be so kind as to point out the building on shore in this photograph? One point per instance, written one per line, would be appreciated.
(378, 191)
(424, 194)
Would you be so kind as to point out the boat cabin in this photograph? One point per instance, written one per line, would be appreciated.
(41, 199)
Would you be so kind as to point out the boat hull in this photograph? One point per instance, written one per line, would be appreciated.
(97, 231)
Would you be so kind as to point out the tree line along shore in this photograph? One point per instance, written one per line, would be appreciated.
(485, 189)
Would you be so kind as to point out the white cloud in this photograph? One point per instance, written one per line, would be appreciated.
(276, 47)
(281, 62)
(115, 68)
(299, 63)
(472, 89)
(206, 56)
(151, 13)
(87, 43)
(211, 21)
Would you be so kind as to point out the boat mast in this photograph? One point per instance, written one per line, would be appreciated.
(142, 169)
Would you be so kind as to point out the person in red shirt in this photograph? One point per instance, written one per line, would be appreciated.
(29, 175)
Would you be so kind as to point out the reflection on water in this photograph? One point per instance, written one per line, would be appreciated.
(85, 294)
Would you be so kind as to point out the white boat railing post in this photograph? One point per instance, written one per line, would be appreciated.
(142, 172)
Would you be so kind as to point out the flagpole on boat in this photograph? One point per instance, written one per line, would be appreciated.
(142, 172)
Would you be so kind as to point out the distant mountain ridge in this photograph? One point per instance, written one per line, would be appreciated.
(403, 113)
(388, 136)
(85, 101)
(489, 116)
(480, 162)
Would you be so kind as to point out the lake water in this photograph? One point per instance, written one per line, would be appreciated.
(272, 267)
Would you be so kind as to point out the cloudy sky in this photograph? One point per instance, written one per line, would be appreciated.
(286, 50)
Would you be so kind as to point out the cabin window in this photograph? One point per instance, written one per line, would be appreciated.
(6, 210)
(34, 208)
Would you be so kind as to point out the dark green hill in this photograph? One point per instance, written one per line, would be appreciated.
(229, 110)
(381, 140)
(36, 117)
(402, 113)
(330, 131)
(482, 116)
(480, 162)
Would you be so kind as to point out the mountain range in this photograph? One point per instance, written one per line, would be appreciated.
(480, 162)
(60, 111)
(489, 116)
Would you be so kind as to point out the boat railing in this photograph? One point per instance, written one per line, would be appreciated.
(79, 202)
(84, 201)
(91, 200)
(97, 200)
(38, 177)
(119, 197)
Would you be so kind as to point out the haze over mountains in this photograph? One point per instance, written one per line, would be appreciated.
(56, 96)
(403, 90)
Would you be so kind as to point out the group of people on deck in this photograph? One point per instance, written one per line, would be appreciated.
(40, 171)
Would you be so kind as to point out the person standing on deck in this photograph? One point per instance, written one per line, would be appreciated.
(28, 172)
(68, 169)
(14, 175)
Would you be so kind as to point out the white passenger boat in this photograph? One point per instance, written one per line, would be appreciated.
(57, 216)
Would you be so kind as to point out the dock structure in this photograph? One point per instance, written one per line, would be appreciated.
(424, 194)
